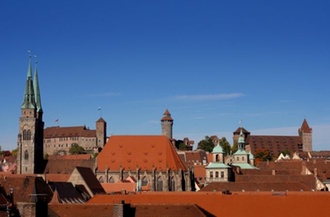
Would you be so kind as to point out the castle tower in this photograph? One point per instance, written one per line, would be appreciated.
(305, 132)
(101, 132)
(31, 126)
(167, 124)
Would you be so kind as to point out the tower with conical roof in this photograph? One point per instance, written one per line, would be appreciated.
(31, 126)
(167, 124)
(305, 132)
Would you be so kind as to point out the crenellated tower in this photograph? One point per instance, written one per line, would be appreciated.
(31, 127)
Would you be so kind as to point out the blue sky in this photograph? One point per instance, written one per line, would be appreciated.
(211, 63)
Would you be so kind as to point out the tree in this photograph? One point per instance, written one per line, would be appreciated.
(206, 144)
(14, 152)
(263, 155)
(182, 146)
(77, 149)
(234, 148)
(225, 146)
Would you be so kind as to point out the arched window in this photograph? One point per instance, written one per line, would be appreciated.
(101, 179)
(111, 180)
(144, 181)
(26, 135)
(217, 158)
(26, 155)
(159, 184)
(211, 174)
(172, 184)
(216, 174)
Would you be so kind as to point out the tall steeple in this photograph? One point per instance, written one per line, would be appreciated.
(31, 126)
(37, 90)
(29, 99)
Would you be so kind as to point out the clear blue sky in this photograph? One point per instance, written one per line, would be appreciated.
(211, 63)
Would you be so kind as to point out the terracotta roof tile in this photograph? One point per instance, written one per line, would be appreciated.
(301, 204)
(305, 127)
(145, 152)
(65, 166)
(79, 131)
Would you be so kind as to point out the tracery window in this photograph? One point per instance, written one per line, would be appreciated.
(26, 135)
(26, 155)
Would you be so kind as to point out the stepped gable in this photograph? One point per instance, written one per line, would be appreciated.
(79, 131)
(24, 186)
(274, 144)
(145, 152)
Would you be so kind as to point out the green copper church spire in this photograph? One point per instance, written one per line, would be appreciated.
(36, 89)
(29, 101)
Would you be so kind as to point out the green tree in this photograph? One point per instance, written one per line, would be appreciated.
(14, 152)
(225, 146)
(77, 149)
(263, 155)
(206, 144)
(182, 146)
(234, 148)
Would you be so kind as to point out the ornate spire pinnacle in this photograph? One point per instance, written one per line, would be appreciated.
(36, 87)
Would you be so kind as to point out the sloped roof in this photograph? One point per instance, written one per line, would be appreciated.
(66, 166)
(238, 131)
(305, 127)
(66, 192)
(301, 204)
(78, 131)
(25, 186)
(217, 165)
(145, 152)
(167, 116)
(274, 144)
(100, 120)
(90, 180)
(250, 186)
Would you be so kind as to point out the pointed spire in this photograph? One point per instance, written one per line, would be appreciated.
(29, 101)
(36, 88)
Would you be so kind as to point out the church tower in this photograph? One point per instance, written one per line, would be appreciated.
(167, 124)
(101, 132)
(31, 127)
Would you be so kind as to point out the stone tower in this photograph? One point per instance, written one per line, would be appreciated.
(305, 132)
(101, 132)
(31, 127)
(167, 124)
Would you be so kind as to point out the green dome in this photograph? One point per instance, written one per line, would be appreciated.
(217, 149)
(241, 140)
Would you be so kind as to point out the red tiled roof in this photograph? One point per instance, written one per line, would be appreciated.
(146, 152)
(167, 116)
(79, 131)
(302, 204)
(274, 144)
(118, 187)
(305, 127)
(70, 157)
(66, 166)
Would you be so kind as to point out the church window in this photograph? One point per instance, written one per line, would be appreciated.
(172, 184)
(242, 158)
(216, 174)
(26, 155)
(101, 179)
(144, 181)
(211, 174)
(222, 174)
(217, 158)
(159, 184)
(26, 135)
